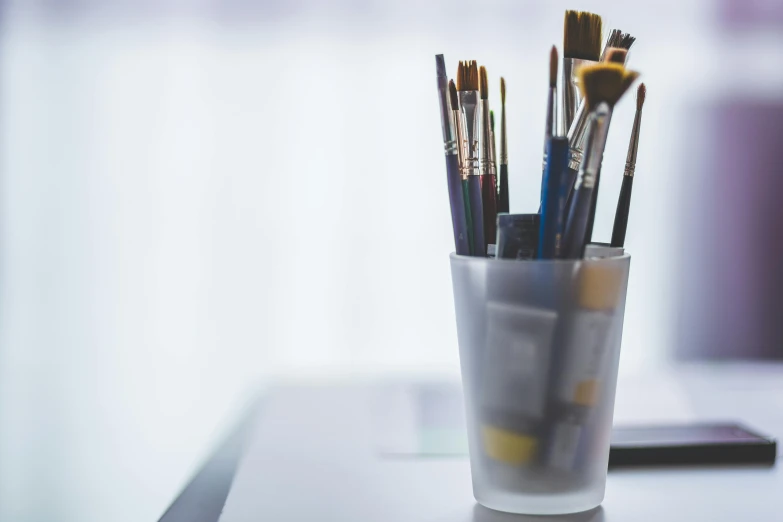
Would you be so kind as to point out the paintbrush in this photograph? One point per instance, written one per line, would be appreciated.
(624, 202)
(489, 190)
(453, 175)
(458, 124)
(602, 85)
(550, 125)
(578, 130)
(503, 199)
(618, 39)
(581, 46)
(494, 143)
(467, 87)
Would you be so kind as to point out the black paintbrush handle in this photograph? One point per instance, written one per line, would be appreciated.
(489, 194)
(623, 209)
(593, 204)
(476, 215)
(576, 224)
(503, 201)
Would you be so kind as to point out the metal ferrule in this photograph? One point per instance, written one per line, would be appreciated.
(571, 95)
(486, 158)
(503, 138)
(449, 136)
(630, 160)
(597, 132)
(469, 107)
(577, 135)
(458, 124)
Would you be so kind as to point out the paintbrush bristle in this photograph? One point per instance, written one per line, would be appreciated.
(553, 59)
(641, 93)
(582, 36)
(467, 76)
(617, 38)
(483, 83)
(492, 120)
(615, 55)
(604, 82)
(453, 99)
(502, 91)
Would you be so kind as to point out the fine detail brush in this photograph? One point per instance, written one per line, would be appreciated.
(458, 124)
(624, 202)
(550, 126)
(453, 175)
(603, 85)
(503, 199)
(489, 190)
(582, 35)
(494, 142)
(467, 86)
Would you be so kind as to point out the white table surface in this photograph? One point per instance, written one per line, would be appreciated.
(313, 457)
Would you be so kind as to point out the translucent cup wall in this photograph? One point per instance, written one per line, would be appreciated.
(539, 346)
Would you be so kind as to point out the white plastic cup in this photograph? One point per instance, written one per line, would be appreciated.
(539, 345)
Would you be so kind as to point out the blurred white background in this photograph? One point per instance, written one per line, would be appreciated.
(198, 196)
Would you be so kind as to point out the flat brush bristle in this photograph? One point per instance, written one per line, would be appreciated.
(604, 82)
(467, 76)
(483, 83)
(553, 59)
(492, 120)
(502, 91)
(617, 38)
(641, 93)
(615, 55)
(453, 99)
(582, 36)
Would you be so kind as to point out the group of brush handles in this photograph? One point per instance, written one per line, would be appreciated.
(569, 188)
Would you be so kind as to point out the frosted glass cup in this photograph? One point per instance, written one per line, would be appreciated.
(539, 345)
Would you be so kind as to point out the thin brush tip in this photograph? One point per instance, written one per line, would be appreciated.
(483, 83)
(502, 91)
(553, 59)
(641, 94)
(453, 98)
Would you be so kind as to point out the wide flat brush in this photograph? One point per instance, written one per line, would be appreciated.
(453, 175)
(582, 39)
(467, 87)
(624, 201)
(489, 191)
(603, 85)
(504, 203)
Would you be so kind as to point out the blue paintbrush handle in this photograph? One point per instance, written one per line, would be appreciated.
(554, 196)
(457, 202)
(477, 215)
(576, 224)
